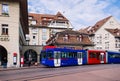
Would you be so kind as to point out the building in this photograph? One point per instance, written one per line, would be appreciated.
(41, 28)
(105, 34)
(70, 39)
(13, 28)
(44, 26)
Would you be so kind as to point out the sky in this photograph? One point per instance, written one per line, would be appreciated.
(81, 13)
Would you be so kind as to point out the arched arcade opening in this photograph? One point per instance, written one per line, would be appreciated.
(30, 55)
(3, 54)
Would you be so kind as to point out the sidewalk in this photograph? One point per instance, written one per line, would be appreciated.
(18, 68)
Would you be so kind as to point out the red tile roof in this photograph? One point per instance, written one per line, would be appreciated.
(94, 28)
(40, 18)
(114, 32)
(72, 38)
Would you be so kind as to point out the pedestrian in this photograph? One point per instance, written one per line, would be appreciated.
(29, 63)
(5, 62)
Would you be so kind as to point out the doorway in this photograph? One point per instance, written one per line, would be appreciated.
(30, 55)
(3, 54)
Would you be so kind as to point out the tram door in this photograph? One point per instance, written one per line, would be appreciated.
(57, 60)
(79, 57)
(102, 55)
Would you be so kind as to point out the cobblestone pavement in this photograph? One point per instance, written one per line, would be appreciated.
(105, 74)
(112, 74)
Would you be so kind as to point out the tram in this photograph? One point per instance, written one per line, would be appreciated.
(56, 57)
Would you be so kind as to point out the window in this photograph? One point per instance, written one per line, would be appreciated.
(50, 54)
(43, 42)
(63, 55)
(33, 37)
(106, 45)
(30, 17)
(65, 38)
(34, 22)
(44, 30)
(43, 54)
(4, 29)
(114, 56)
(34, 43)
(94, 55)
(79, 38)
(5, 9)
(44, 37)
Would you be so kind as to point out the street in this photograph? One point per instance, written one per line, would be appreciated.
(72, 73)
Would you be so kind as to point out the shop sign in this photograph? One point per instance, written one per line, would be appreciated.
(4, 38)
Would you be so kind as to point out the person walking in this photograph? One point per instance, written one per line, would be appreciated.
(29, 62)
(5, 62)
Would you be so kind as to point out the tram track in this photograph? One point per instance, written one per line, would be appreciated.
(60, 72)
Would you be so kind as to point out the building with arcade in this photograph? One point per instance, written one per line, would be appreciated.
(13, 29)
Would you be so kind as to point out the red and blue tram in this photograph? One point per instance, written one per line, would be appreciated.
(56, 57)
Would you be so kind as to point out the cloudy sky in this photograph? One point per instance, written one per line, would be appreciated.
(81, 13)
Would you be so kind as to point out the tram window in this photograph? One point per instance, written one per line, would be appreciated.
(79, 55)
(63, 55)
(93, 55)
(57, 54)
(43, 54)
(98, 56)
(74, 54)
(114, 56)
(50, 54)
(70, 55)
(83, 55)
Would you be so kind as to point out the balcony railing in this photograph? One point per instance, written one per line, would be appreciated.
(61, 25)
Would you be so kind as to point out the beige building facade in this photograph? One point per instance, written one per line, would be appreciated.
(44, 26)
(13, 28)
(105, 34)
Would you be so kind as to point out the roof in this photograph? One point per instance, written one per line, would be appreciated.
(98, 25)
(40, 17)
(114, 32)
(69, 31)
(94, 28)
(72, 41)
(56, 17)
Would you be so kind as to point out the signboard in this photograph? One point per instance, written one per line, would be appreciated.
(4, 38)
(14, 58)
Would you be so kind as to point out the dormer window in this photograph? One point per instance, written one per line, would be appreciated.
(79, 38)
(65, 38)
